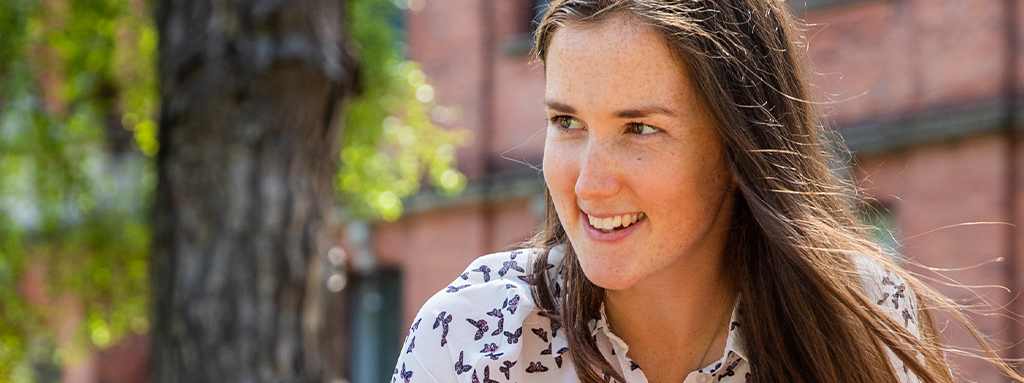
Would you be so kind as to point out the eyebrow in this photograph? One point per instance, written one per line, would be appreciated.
(639, 112)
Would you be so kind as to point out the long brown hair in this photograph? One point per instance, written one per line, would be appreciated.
(794, 231)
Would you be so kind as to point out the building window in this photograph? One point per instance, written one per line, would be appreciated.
(540, 7)
(522, 43)
(376, 330)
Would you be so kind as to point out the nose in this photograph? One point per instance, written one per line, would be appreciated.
(599, 175)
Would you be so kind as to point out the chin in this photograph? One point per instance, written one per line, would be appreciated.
(612, 284)
(609, 275)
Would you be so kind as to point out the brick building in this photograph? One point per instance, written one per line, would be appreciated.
(924, 92)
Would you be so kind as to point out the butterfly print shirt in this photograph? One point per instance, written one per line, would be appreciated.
(485, 328)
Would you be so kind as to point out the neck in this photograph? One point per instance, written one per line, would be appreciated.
(672, 324)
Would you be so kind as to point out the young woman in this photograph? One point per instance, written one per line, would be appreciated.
(695, 229)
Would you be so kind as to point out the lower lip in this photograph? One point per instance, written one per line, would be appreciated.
(614, 236)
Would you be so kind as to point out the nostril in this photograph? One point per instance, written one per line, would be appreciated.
(598, 175)
(590, 186)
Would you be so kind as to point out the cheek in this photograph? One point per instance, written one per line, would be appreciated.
(688, 190)
(716, 178)
(560, 173)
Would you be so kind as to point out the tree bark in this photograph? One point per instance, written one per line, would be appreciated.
(252, 92)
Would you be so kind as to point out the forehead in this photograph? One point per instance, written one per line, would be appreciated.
(614, 62)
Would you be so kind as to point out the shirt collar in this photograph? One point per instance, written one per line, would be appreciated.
(734, 343)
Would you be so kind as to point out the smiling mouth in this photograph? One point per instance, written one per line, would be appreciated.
(610, 224)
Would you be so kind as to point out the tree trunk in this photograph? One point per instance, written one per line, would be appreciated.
(252, 92)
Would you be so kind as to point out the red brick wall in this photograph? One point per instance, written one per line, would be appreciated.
(433, 248)
(125, 362)
(446, 38)
(886, 59)
(945, 197)
(874, 60)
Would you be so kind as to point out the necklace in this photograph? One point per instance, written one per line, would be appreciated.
(713, 337)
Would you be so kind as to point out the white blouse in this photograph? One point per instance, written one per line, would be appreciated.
(486, 328)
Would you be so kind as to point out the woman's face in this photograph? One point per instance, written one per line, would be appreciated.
(629, 140)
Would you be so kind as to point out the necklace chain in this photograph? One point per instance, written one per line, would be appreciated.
(714, 335)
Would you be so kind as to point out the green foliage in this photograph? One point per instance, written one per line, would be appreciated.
(390, 140)
(68, 205)
(78, 100)
(15, 321)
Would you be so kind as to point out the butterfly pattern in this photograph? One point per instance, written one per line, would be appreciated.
(541, 333)
(510, 265)
(558, 359)
(555, 325)
(486, 271)
(506, 367)
(493, 296)
(513, 337)
(536, 367)
(907, 317)
(481, 328)
(405, 375)
(490, 351)
(894, 292)
(443, 321)
(512, 304)
(487, 376)
(460, 367)
(528, 278)
(501, 321)
(412, 344)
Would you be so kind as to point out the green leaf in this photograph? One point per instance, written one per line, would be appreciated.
(74, 71)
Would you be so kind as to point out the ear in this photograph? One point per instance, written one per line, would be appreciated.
(732, 167)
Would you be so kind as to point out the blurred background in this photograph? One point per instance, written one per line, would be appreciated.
(438, 163)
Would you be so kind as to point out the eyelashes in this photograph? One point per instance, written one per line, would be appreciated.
(564, 123)
(569, 124)
(641, 128)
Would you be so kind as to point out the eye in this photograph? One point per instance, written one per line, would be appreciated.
(565, 122)
(640, 128)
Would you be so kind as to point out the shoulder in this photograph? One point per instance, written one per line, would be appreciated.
(509, 271)
(474, 324)
(893, 296)
(889, 291)
(508, 267)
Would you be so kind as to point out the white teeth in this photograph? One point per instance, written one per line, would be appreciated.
(608, 224)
